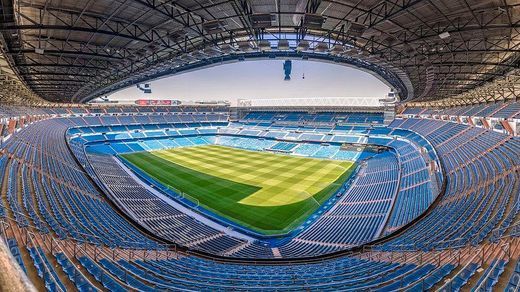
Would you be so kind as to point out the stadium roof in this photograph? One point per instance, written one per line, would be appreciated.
(73, 51)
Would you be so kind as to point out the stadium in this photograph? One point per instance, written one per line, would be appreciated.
(416, 190)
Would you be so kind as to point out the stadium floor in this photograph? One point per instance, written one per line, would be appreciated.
(265, 192)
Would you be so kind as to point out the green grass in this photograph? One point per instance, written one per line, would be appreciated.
(268, 193)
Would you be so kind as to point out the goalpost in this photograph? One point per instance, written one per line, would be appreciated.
(184, 195)
(342, 167)
(308, 195)
(316, 201)
(322, 186)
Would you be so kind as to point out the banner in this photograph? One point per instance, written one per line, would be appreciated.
(157, 102)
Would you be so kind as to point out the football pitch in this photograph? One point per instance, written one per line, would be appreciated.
(266, 192)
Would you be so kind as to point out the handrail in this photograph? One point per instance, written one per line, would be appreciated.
(85, 236)
(30, 237)
(448, 283)
(490, 270)
(453, 259)
(105, 273)
(100, 243)
(418, 258)
(71, 262)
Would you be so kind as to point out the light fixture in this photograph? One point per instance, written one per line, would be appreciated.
(283, 45)
(264, 45)
(444, 35)
(303, 46)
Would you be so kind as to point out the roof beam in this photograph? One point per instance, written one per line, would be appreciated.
(61, 66)
(50, 73)
(24, 27)
(70, 53)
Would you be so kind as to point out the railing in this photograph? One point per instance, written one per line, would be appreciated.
(448, 285)
(454, 258)
(30, 241)
(76, 248)
(97, 252)
(98, 241)
(504, 252)
(53, 246)
(11, 274)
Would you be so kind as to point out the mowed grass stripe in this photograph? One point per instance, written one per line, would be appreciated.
(208, 160)
(166, 170)
(217, 162)
(282, 165)
(266, 192)
(228, 159)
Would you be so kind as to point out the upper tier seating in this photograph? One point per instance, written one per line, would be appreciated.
(317, 118)
(507, 110)
(47, 188)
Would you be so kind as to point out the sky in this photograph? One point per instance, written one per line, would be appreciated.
(262, 79)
